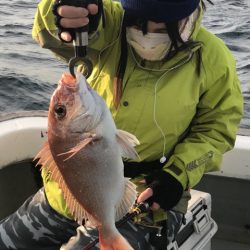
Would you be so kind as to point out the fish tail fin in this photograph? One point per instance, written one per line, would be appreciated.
(117, 242)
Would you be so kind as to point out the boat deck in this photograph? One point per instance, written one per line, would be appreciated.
(218, 244)
(230, 210)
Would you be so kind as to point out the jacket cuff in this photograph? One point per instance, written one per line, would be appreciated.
(179, 173)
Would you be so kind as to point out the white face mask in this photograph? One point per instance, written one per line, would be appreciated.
(152, 46)
(155, 46)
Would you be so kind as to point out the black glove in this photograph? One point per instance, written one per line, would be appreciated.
(93, 19)
(167, 191)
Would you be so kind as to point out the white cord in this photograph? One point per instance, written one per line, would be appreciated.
(142, 67)
(163, 158)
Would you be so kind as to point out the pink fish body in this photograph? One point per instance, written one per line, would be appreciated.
(84, 155)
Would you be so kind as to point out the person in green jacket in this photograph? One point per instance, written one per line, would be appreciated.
(168, 81)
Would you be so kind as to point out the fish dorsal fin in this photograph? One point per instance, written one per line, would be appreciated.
(47, 161)
(79, 146)
(128, 200)
(127, 142)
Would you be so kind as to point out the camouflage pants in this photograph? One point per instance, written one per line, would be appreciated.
(140, 237)
(35, 225)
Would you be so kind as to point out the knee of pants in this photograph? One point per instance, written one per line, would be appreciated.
(35, 224)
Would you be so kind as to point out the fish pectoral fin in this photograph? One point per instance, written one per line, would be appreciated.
(127, 142)
(79, 146)
(127, 201)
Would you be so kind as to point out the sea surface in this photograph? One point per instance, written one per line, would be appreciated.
(28, 73)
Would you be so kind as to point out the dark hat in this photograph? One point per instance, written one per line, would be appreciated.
(160, 10)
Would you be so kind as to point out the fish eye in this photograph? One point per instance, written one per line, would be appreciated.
(60, 111)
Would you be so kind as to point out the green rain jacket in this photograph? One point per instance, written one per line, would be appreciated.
(162, 101)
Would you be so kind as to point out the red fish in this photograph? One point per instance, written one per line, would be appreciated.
(84, 155)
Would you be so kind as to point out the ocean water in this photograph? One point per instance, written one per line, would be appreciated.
(29, 74)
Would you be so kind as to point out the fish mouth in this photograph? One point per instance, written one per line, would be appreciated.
(69, 82)
(74, 84)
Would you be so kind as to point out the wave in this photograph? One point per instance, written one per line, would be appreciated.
(5, 13)
(30, 56)
(15, 33)
(23, 93)
(16, 26)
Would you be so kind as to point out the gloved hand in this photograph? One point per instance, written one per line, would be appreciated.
(68, 17)
(163, 190)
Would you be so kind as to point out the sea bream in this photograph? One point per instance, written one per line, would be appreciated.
(84, 155)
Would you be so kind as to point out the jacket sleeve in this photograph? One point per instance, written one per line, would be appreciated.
(44, 31)
(213, 129)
